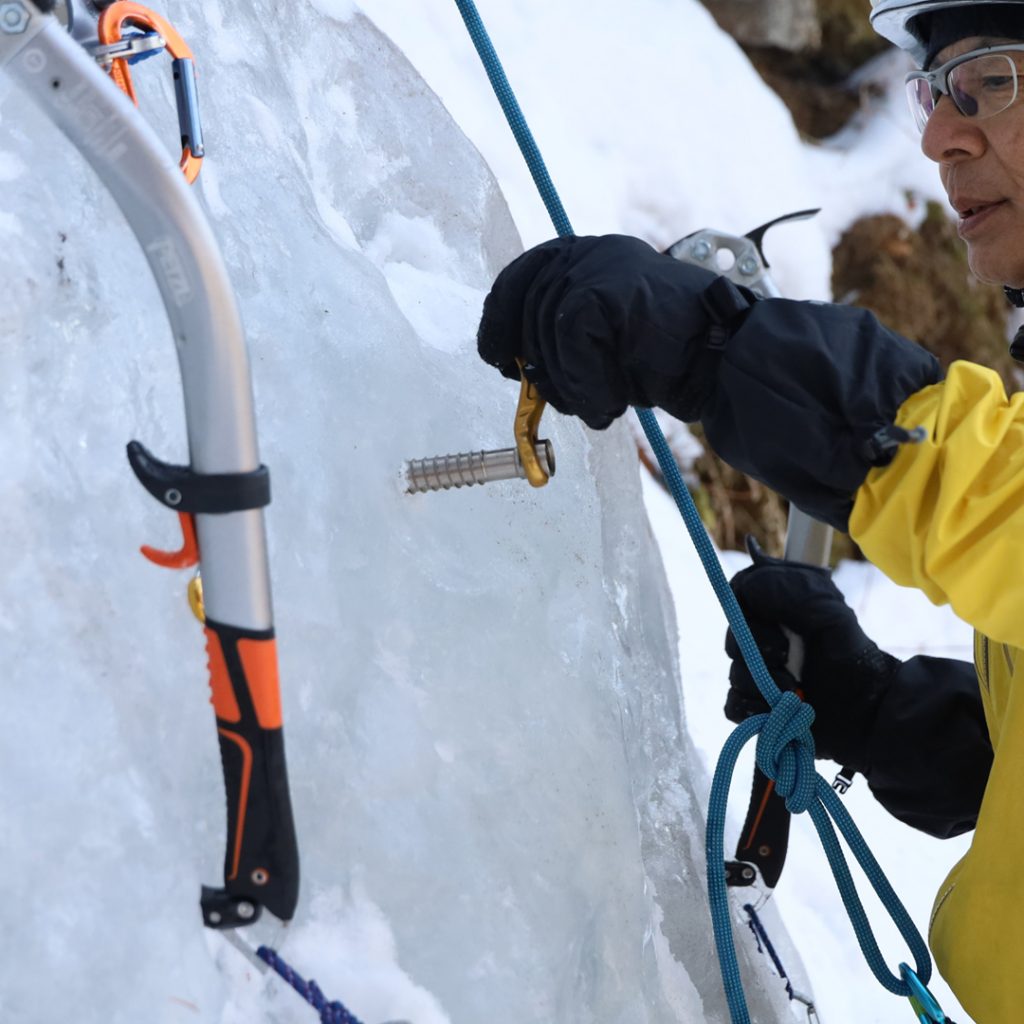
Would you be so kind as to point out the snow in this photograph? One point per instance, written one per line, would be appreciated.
(499, 807)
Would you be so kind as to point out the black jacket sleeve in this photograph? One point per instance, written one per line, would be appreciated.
(799, 395)
(929, 751)
(805, 398)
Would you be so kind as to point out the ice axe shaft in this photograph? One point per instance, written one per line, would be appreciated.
(761, 850)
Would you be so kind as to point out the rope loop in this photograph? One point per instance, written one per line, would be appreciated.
(785, 751)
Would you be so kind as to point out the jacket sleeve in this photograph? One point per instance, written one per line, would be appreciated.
(805, 399)
(947, 516)
(929, 751)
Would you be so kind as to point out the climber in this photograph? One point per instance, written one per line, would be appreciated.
(859, 428)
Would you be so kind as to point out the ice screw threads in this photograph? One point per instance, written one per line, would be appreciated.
(443, 472)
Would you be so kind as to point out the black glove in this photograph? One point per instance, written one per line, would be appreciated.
(844, 675)
(799, 395)
(606, 323)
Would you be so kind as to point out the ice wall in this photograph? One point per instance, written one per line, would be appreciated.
(493, 789)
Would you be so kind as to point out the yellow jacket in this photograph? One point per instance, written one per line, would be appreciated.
(947, 517)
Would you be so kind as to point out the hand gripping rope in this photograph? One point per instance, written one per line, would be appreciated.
(785, 749)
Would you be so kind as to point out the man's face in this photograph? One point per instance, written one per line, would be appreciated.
(981, 164)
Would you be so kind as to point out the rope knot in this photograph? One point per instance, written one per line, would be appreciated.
(785, 751)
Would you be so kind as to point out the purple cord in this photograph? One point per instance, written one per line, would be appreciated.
(330, 1013)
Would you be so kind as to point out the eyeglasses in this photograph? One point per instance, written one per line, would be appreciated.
(981, 83)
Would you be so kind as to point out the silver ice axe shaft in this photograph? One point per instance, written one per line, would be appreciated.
(761, 850)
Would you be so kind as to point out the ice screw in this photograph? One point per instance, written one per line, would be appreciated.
(467, 468)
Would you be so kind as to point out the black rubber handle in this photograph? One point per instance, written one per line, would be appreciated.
(261, 861)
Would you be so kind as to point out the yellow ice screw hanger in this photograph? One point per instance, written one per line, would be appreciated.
(528, 414)
(195, 598)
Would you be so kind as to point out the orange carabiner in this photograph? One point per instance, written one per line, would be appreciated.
(109, 30)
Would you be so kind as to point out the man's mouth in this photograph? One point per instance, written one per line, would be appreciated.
(974, 213)
(974, 208)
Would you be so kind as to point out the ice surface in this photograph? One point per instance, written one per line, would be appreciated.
(493, 788)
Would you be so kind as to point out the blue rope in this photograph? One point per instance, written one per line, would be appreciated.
(330, 1013)
(514, 116)
(785, 753)
(785, 748)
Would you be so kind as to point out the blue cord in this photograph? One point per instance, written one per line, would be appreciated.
(330, 1013)
(514, 116)
(785, 748)
(764, 944)
(785, 753)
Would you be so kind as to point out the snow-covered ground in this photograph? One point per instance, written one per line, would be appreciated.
(361, 233)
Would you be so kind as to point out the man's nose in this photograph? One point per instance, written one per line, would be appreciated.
(949, 136)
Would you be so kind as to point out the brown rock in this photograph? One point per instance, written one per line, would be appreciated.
(787, 24)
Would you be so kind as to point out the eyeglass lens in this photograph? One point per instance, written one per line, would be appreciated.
(980, 87)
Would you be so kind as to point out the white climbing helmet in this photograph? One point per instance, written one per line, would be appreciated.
(891, 19)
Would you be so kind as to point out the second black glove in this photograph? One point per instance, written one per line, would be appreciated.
(844, 674)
